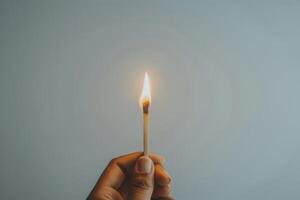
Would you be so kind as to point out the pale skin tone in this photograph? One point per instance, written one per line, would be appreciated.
(133, 177)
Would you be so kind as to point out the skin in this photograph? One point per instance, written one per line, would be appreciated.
(119, 180)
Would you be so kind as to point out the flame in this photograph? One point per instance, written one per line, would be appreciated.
(145, 98)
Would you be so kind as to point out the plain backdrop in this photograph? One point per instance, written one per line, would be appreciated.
(225, 80)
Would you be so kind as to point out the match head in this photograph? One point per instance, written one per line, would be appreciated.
(146, 105)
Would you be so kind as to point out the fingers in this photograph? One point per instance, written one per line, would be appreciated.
(142, 182)
(105, 193)
(161, 191)
(162, 177)
(126, 162)
(162, 187)
(165, 198)
(115, 173)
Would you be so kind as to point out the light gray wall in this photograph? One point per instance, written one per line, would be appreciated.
(225, 78)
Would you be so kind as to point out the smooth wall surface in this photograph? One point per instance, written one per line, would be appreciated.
(226, 91)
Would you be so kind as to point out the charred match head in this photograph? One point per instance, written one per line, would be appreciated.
(146, 105)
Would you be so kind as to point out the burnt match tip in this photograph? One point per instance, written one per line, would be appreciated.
(146, 105)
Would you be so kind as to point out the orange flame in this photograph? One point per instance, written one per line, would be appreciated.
(145, 98)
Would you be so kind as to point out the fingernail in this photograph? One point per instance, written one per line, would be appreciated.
(144, 165)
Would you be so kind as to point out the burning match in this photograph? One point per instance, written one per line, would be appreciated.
(145, 100)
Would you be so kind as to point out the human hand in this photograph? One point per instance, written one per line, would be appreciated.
(133, 177)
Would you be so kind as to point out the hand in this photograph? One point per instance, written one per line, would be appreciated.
(133, 177)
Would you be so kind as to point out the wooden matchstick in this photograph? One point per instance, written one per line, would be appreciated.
(146, 104)
(146, 135)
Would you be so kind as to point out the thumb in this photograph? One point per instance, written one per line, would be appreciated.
(142, 182)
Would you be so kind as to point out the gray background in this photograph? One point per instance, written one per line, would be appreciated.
(225, 90)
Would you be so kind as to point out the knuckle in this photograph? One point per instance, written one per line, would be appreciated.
(113, 161)
(142, 183)
(103, 194)
(100, 197)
